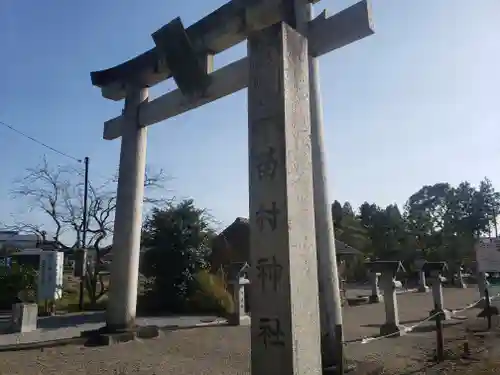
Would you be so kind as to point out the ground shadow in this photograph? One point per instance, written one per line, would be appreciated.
(63, 321)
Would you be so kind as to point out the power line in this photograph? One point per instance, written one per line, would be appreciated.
(39, 142)
(46, 146)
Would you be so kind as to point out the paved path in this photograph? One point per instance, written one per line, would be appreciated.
(225, 350)
(71, 325)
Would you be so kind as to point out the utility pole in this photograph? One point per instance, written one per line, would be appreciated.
(84, 232)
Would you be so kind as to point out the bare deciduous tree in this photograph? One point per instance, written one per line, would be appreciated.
(58, 193)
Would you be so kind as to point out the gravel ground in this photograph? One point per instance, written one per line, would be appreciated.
(225, 350)
(197, 351)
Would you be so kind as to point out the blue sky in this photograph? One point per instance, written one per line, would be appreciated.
(414, 104)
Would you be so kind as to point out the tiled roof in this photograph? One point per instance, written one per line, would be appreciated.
(240, 226)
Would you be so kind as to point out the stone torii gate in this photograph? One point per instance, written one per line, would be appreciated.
(287, 217)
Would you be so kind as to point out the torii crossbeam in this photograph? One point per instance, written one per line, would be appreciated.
(325, 35)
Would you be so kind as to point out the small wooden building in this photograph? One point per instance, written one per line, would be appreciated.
(233, 245)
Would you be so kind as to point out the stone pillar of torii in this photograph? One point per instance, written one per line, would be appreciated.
(291, 239)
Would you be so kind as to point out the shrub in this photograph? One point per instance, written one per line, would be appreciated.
(177, 238)
(13, 281)
(211, 295)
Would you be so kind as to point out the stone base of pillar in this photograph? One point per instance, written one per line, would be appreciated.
(423, 289)
(362, 300)
(237, 320)
(375, 298)
(330, 356)
(391, 329)
(327, 351)
(112, 335)
(446, 314)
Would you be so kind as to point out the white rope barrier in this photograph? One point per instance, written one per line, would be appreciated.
(408, 329)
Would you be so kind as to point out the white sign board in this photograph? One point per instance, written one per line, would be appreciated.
(50, 275)
(488, 254)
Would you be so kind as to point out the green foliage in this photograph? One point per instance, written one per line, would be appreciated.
(211, 295)
(337, 213)
(15, 282)
(441, 220)
(177, 239)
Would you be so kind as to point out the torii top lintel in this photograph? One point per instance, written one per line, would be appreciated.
(218, 31)
(325, 34)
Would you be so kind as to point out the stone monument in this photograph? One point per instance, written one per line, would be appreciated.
(435, 271)
(482, 284)
(461, 280)
(24, 317)
(238, 282)
(422, 282)
(282, 235)
(388, 271)
(376, 296)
